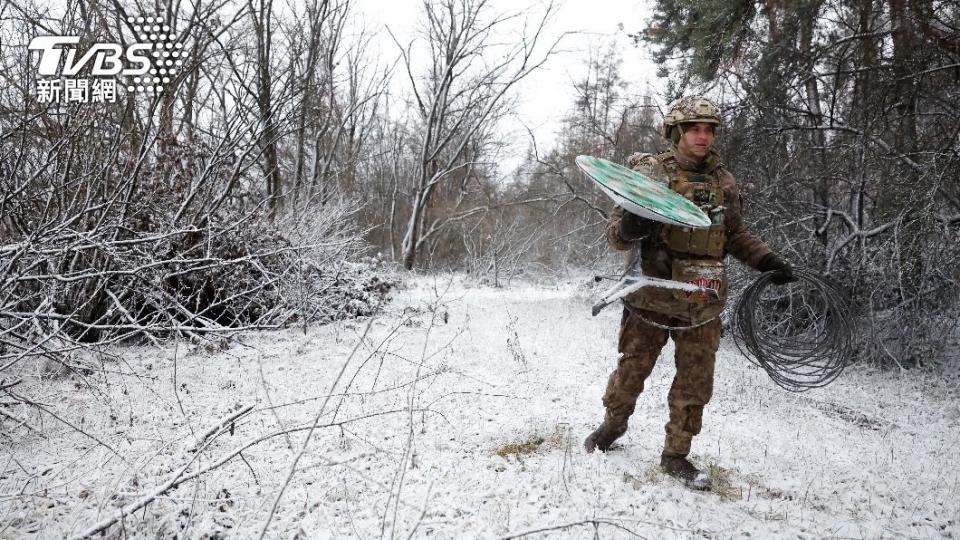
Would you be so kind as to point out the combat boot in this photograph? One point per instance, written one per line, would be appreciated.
(603, 437)
(679, 467)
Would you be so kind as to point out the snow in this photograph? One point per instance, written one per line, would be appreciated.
(446, 377)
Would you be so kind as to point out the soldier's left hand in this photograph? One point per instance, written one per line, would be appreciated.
(775, 263)
(633, 227)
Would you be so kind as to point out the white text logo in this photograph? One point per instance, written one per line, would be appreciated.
(145, 66)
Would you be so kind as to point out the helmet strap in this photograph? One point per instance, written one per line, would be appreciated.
(675, 133)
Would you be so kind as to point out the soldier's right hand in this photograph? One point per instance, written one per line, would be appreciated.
(633, 227)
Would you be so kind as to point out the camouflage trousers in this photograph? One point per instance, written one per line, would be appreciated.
(639, 345)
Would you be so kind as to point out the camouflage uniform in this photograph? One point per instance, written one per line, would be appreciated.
(640, 342)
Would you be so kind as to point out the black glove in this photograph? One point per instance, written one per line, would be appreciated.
(774, 262)
(633, 227)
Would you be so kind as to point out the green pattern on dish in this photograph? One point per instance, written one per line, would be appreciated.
(642, 195)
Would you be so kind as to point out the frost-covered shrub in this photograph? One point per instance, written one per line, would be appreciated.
(240, 272)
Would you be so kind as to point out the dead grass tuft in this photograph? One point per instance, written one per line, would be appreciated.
(521, 448)
(723, 485)
(555, 439)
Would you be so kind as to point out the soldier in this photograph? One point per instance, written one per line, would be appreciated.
(692, 169)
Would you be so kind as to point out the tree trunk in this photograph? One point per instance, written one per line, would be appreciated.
(263, 26)
(808, 18)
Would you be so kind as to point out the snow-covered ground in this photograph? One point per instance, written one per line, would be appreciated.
(459, 413)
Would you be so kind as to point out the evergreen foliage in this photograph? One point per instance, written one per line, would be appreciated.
(842, 125)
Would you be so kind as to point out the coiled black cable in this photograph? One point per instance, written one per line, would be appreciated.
(800, 334)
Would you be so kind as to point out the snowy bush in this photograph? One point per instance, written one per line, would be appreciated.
(141, 277)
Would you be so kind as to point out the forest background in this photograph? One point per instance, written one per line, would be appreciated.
(280, 170)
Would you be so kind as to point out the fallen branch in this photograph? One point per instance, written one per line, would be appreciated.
(595, 522)
(32, 403)
(181, 477)
(313, 427)
(223, 423)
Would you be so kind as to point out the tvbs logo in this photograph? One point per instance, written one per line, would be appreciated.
(146, 65)
(106, 58)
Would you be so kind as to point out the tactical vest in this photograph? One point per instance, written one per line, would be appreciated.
(705, 191)
(697, 254)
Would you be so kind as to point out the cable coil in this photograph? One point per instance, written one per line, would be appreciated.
(799, 334)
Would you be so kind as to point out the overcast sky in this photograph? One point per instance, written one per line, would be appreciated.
(547, 94)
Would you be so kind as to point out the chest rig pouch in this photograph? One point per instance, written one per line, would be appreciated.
(705, 192)
(698, 252)
(706, 273)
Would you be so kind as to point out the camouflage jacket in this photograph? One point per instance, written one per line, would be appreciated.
(657, 257)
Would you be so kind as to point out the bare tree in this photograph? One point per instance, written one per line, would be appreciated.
(115, 224)
(461, 94)
(261, 16)
(605, 119)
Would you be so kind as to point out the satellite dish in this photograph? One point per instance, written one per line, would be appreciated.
(641, 195)
(646, 198)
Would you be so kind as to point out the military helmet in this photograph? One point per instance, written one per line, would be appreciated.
(689, 109)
